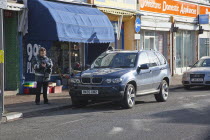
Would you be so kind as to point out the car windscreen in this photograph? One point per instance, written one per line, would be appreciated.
(202, 63)
(115, 60)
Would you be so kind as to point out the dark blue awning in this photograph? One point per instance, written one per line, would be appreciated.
(67, 22)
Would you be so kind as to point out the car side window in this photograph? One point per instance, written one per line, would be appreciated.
(143, 58)
(161, 58)
(153, 59)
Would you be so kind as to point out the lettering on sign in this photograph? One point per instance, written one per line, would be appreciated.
(204, 10)
(32, 51)
(1, 56)
(169, 7)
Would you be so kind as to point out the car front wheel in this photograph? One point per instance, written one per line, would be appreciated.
(129, 97)
(162, 96)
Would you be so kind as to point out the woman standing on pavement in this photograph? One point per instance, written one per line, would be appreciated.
(43, 69)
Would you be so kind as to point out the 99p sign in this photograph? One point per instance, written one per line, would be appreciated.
(32, 51)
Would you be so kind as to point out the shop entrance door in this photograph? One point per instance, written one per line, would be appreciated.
(149, 43)
(185, 51)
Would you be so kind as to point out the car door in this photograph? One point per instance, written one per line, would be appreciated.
(163, 66)
(155, 70)
(144, 76)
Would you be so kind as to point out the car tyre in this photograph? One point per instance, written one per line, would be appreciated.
(129, 97)
(78, 102)
(162, 96)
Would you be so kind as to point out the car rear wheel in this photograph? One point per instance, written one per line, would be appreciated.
(162, 96)
(129, 96)
(78, 102)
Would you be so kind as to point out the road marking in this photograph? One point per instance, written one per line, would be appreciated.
(200, 95)
(115, 130)
(70, 122)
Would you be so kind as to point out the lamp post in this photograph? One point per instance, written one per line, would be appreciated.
(1, 64)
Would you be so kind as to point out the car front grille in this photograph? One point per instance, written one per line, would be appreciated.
(86, 80)
(197, 75)
(97, 80)
(89, 80)
(207, 82)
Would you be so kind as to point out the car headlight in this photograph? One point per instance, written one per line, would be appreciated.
(75, 81)
(108, 81)
(115, 80)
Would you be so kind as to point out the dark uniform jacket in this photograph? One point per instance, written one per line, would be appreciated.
(42, 74)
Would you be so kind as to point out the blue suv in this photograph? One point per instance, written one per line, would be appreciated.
(122, 76)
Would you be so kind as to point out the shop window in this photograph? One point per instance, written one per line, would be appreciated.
(59, 53)
(204, 47)
(155, 40)
(75, 57)
(185, 50)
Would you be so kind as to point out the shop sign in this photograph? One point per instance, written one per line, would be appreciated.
(3, 4)
(169, 7)
(204, 10)
(8, 14)
(32, 51)
(203, 19)
(126, 4)
(1, 56)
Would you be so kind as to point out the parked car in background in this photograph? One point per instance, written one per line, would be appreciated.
(198, 74)
(122, 76)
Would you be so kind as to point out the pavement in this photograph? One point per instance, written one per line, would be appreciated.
(185, 116)
(20, 106)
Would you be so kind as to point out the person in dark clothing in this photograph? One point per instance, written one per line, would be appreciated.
(43, 69)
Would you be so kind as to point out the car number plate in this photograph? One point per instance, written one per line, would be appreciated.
(197, 79)
(89, 91)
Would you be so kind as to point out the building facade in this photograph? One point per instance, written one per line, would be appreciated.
(172, 28)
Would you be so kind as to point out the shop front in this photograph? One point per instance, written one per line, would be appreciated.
(204, 44)
(171, 28)
(67, 32)
(185, 50)
(155, 40)
(122, 14)
(204, 38)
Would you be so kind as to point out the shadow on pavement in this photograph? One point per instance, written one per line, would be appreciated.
(192, 89)
(102, 107)
(186, 115)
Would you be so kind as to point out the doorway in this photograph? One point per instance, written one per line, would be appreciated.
(185, 51)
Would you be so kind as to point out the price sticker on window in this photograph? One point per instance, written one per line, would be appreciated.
(1, 56)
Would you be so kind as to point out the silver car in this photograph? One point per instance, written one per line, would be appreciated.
(198, 74)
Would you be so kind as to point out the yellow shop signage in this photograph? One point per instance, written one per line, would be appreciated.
(121, 4)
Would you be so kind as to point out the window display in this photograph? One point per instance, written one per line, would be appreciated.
(59, 53)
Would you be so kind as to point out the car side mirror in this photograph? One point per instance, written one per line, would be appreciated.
(142, 67)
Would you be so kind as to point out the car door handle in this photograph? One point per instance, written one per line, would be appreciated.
(150, 71)
(161, 68)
